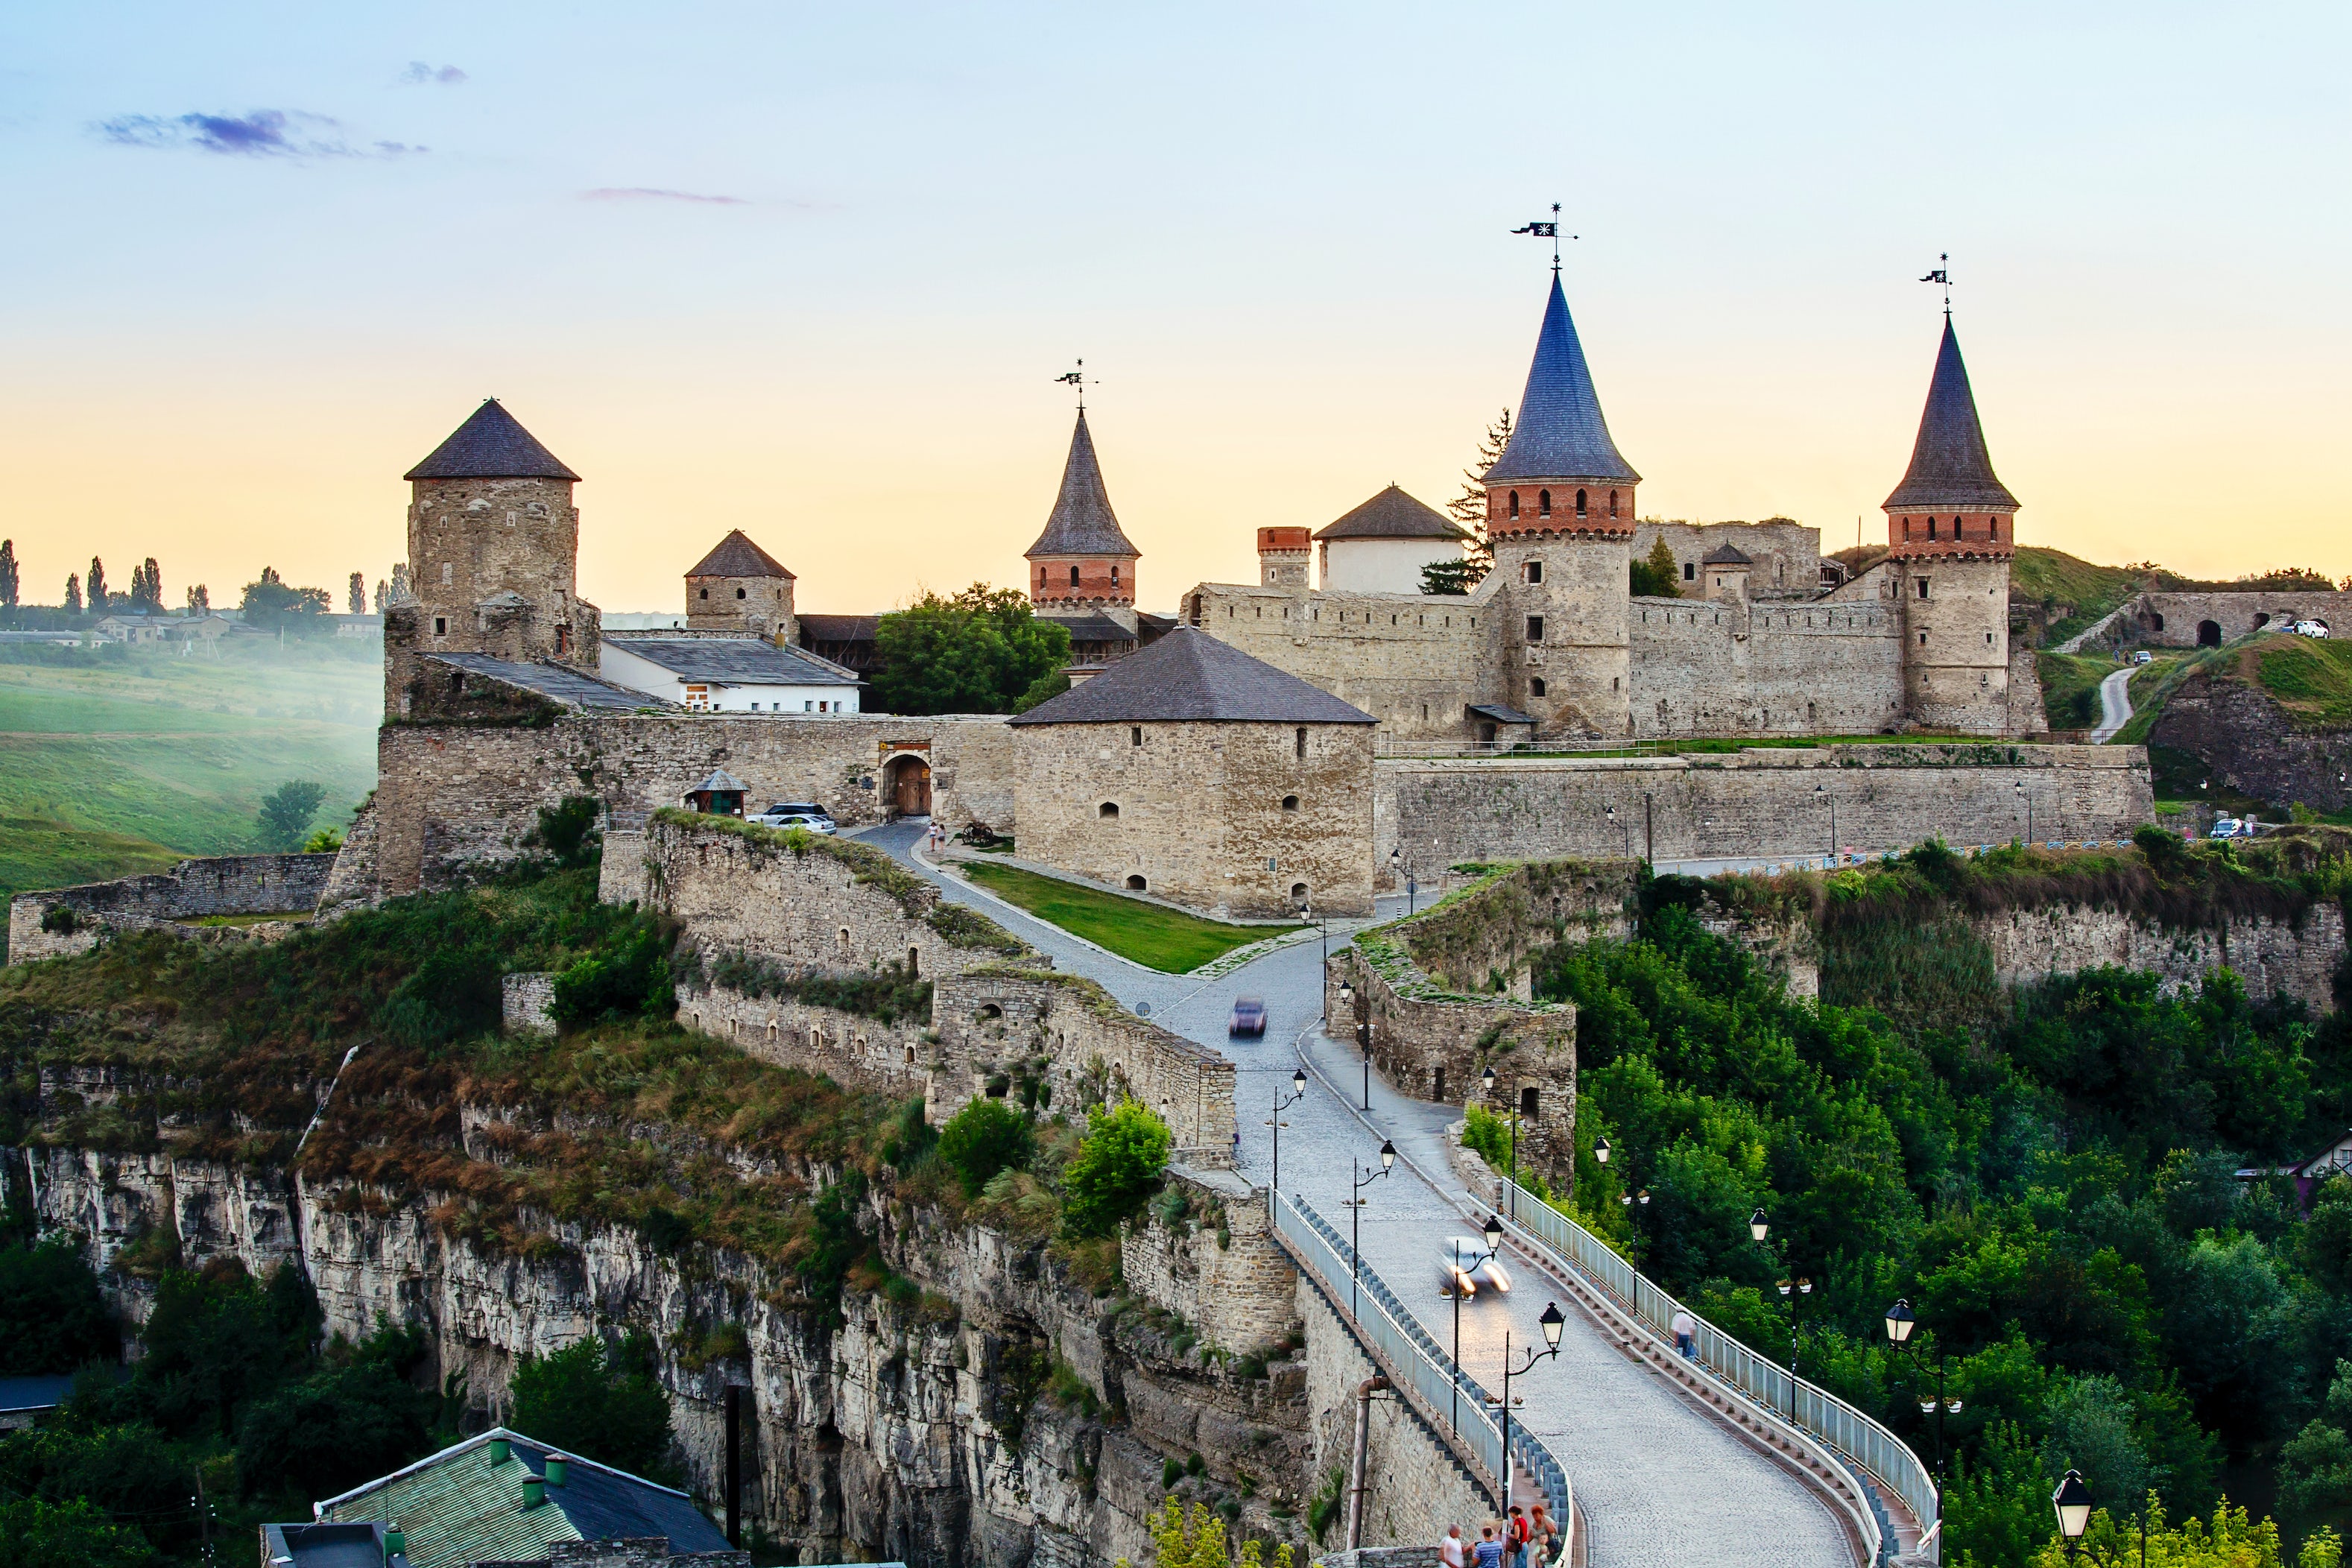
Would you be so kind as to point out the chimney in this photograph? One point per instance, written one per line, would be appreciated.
(534, 1491)
(500, 1451)
(1079, 674)
(396, 1540)
(559, 1470)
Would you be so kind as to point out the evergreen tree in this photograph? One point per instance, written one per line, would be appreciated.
(147, 587)
(1469, 508)
(96, 584)
(381, 591)
(359, 594)
(8, 574)
(1653, 576)
(1455, 577)
(200, 602)
(73, 595)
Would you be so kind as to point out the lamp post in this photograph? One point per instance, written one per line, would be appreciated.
(2072, 1503)
(1412, 888)
(1356, 1217)
(1821, 793)
(1322, 930)
(1625, 827)
(1364, 1036)
(1551, 1323)
(1298, 1093)
(1492, 1231)
(1803, 1287)
(1486, 1079)
(1899, 1326)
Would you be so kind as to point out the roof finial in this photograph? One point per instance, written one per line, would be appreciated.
(1077, 378)
(1943, 274)
(1551, 231)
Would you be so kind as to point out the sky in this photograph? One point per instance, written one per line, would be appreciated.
(810, 271)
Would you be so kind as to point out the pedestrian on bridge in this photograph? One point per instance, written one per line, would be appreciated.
(1686, 1334)
(1488, 1552)
(1545, 1530)
(1454, 1552)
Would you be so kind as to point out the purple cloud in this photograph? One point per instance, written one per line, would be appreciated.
(418, 73)
(652, 193)
(260, 133)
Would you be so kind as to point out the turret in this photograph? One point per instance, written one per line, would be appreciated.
(1951, 531)
(493, 552)
(740, 587)
(1560, 516)
(1284, 555)
(1083, 559)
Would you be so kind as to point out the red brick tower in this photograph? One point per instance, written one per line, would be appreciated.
(1082, 559)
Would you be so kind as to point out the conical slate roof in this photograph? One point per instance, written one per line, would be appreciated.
(1190, 674)
(736, 556)
(1949, 464)
(1560, 434)
(1393, 514)
(1083, 522)
(491, 445)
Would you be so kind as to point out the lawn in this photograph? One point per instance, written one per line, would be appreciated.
(115, 761)
(2069, 688)
(1156, 937)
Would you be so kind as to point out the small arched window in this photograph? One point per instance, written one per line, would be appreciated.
(1613, 503)
(1074, 576)
(1136, 884)
(705, 593)
(1543, 504)
(1108, 809)
(1579, 503)
(1290, 803)
(1298, 742)
(1515, 503)
(1931, 528)
(1535, 687)
(1299, 890)
(741, 594)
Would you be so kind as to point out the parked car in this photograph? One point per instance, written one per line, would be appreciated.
(776, 815)
(2230, 827)
(813, 823)
(1464, 1264)
(2309, 628)
(2142, 657)
(1248, 1017)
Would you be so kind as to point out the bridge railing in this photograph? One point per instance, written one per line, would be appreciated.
(1449, 1398)
(1846, 1431)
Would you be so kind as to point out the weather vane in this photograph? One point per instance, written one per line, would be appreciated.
(1943, 275)
(1078, 378)
(1549, 231)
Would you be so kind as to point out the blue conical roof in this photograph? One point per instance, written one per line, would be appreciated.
(1950, 466)
(1560, 434)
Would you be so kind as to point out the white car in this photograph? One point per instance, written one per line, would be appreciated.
(813, 823)
(2142, 656)
(1477, 1267)
(2230, 827)
(2309, 628)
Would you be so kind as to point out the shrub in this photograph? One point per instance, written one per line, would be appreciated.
(628, 977)
(568, 830)
(60, 920)
(600, 1405)
(52, 1317)
(983, 1138)
(1117, 1167)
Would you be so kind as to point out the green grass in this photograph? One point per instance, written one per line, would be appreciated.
(2069, 688)
(2311, 679)
(1156, 937)
(2055, 577)
(119, 761)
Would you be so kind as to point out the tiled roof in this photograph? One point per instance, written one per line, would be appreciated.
(456, 1507)
(1950, 466)
(1560, 434)
(558, 682)
(735, 661)
(1393, 514)
(1092, 629)
(839, 628)
(1082, 522)
(736, 556)
(1726, 555)
(491, 445)
(720, 779)
(1190, 674)
(1501, 713)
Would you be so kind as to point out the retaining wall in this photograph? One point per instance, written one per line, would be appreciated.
(1219, 1269)
(223, 885)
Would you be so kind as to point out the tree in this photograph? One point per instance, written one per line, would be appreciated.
(1117, 1167)
(8, 575)
(216, 1340)
(359, 594)
(980, 652)
(1469, 508)
(286, 812)
(983, 1138)
(52, 1316)
(381, 589)
(2230, 1538)
(73, 595)
(147, 587)
(95, 583)
(1653, 576)
(36, 1534)
(627, 977)
(340, 1425)
(200, 602)
(1455, 577)
(1997, 1511)
(602, 1406)
(272, 604)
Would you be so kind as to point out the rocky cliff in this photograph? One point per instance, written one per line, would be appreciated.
(2251, 743)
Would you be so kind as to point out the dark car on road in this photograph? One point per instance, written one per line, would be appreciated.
(1249, 1016)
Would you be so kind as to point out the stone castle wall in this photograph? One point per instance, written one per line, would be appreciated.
(1706, 666)
(1218, 1268)
(1415, 662)
(221, 884)
(1765, 802)
(1786, 556)
(2274, 958)
(2171, 620)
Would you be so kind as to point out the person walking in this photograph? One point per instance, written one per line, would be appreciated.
(1488, 1552)
(1686, 1334)
(1454, 1552)
(1515, 1536)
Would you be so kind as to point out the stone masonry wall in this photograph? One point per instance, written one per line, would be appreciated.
(1713, 667)
(1786, 556)
(1219, 1269)
(2170, 620)
(1764, 803)
(1415, 662)
(2272, 957)
(223, 885)
(525, 999)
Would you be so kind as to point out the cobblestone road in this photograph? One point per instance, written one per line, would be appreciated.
(1660, 1481)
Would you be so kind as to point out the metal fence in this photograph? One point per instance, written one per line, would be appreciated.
(1839, 1427)
(1451, 1398)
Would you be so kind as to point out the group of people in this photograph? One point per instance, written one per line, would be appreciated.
(1528, 1537)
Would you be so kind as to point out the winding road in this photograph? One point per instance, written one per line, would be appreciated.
(2115, 705)
(1659, 1480)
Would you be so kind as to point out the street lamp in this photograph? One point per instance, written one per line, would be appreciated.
(1487, 1080)
(2072, 1503)
(1626, 827)
(1322, 929)
(1298, 1093)
(1758, 1226)
(1412, 888)
(1551, 1323)
(1803, 1287)
(1364, 1036)
(1356, 1217)
(1899, 1324)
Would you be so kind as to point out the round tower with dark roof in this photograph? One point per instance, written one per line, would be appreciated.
(493, 554)
(1083, 559)
(740, 587)
(1951, 531)
(1560, 516)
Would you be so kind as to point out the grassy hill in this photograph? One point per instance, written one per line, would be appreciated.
(116, 761)
(2054, 577)
(2311, 679)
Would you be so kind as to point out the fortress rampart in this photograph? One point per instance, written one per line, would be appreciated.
(221, 885)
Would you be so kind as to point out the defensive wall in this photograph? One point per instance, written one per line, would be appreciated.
(1415, 662)
(1785, 557)
(1210, 1257)
(2273, 957)
(1726, 667)
(221, 884)
(1761, 803)
(2176, 620)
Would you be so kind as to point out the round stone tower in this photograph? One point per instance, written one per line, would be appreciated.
(493, 551)
(1559, 517)
(1951, 531)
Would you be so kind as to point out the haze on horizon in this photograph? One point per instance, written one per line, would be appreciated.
(811, 272)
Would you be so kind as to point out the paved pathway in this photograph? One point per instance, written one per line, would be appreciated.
(1660, 1481)
(2114, 704)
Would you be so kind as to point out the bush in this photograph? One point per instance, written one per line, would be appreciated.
(628, 977)
(35, 1534)
(339, 1426)
(52, 1317)
(568, 831)
(983, 1138)
(60, 920)
(601, 1407)
(1115, 1171)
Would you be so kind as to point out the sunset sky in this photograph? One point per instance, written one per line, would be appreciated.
(810, 271)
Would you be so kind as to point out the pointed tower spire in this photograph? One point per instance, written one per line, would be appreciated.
(1560, 433)
(1951, 470)
(1083, 556)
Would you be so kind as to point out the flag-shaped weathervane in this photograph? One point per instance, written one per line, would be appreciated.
(1077, 378)
(1549, 230)
(1943, 274)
